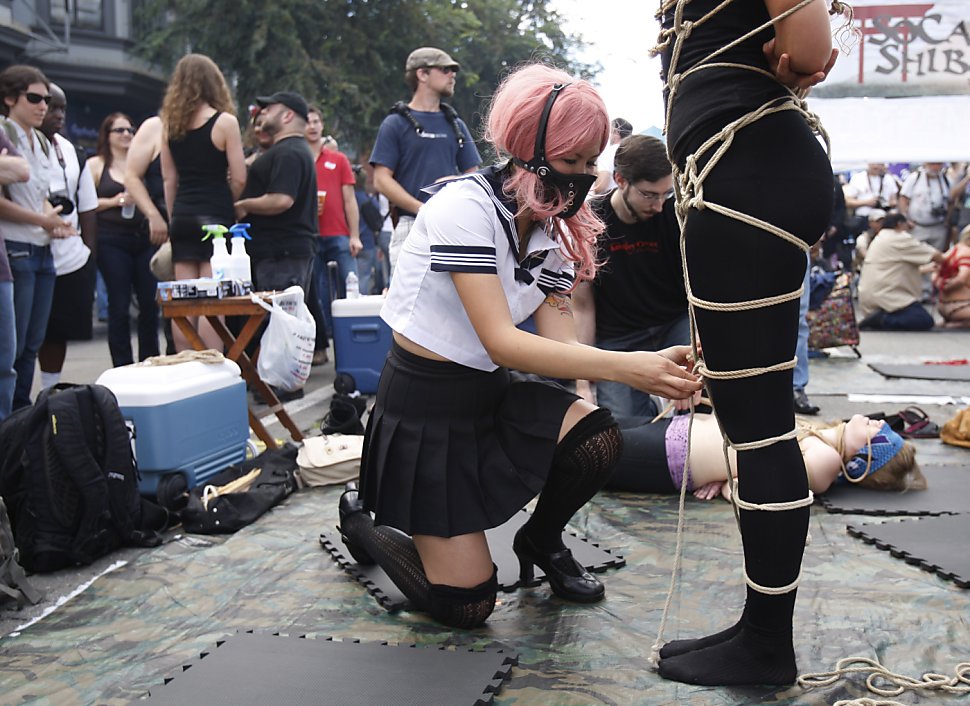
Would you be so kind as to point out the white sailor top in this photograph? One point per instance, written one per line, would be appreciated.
(468, 226)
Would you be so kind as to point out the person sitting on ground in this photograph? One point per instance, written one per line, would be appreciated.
(891, 285)
(952, 282)
(457, 443)
(863, 450)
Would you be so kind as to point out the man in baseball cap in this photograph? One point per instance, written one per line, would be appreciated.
(429, 57)
(293, 101)
(420, 141)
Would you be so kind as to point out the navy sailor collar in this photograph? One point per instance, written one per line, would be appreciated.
(492, 180)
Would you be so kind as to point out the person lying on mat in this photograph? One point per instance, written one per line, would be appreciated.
(952, 281)
(862, 450)
(456, 443)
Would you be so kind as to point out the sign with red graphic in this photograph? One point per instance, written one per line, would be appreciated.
(902, 49)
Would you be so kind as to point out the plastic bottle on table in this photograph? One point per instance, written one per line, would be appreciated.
(220, 260)
(240, 268)
(353, 286)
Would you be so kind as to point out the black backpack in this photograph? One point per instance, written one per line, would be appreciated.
(68, 475)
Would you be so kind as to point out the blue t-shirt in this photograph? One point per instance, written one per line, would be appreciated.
(418, 160)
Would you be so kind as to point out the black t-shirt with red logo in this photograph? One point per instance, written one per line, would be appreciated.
(641, 281)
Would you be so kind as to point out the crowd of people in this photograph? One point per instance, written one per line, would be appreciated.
(907, 237)
(484, 268)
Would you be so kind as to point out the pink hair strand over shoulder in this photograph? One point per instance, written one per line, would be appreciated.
(578, 117)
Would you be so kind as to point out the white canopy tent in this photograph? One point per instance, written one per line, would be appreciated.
(914, 129)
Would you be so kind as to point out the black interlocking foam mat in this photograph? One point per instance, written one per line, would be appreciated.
(922, 371)
(373, 578)
(937, 544)
(947, 492)
(255, 668)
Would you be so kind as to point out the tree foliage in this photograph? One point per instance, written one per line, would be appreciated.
(348, 55)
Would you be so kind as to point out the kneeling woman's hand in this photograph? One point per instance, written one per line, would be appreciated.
(663, 373)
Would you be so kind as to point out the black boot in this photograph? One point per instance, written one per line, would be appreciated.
(350, 504)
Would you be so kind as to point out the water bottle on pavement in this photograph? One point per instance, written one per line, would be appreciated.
(353, 286)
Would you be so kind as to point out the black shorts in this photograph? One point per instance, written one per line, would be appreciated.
(452, 450)
(72, 308)
(186, 233)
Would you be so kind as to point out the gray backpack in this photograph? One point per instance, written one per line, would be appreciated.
(13, 582)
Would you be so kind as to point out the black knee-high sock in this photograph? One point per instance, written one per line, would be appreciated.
(394, 552)
(581, 465)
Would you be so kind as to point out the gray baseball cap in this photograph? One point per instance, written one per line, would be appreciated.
(427, 57)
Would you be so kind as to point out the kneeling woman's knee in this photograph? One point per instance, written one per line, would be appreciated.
(594, 440)
(463, 607)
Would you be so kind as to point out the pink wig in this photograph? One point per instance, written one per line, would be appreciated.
(578, 117)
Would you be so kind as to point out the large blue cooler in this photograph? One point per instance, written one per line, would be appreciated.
(190, 421)
(361, 339)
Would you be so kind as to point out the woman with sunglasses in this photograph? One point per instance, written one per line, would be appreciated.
(202, 144)
(457, 442)
(124, 245)
(28, 220)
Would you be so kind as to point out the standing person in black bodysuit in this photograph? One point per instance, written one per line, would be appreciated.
(774, 175)
(202, 142)
(124, 249)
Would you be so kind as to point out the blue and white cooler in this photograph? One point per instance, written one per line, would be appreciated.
(189, 420)
(361, 339)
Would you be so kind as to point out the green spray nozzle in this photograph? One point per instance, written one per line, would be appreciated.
(240, 230)
(214, 231)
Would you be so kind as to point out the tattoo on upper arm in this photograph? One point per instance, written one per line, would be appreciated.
(561, 302)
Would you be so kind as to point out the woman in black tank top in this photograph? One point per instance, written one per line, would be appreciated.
(203, 167)
(124, 249)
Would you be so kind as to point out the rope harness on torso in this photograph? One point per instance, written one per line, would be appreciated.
(689, 191)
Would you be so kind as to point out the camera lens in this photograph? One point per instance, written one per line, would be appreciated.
(67, 206)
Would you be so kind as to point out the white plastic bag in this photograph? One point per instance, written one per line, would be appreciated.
(286, 348)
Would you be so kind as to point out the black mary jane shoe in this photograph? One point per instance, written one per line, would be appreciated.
(567, 577)
(350, 504)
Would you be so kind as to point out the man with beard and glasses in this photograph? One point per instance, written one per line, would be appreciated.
(280, 198)
(637, 301)
(422, 141)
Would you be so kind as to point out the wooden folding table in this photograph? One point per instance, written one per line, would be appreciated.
(181, 310)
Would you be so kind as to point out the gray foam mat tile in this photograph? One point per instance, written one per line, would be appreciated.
(263, 668)
(923, 371)
(947, 492)
(590, 555)
(937, 544)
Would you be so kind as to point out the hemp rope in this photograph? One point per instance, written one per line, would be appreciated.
(689, 192)
(208, 356)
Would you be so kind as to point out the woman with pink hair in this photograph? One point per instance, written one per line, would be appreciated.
(464, 433)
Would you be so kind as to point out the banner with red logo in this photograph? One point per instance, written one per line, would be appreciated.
(902, 48)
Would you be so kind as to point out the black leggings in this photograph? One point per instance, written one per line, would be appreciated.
(778, 172)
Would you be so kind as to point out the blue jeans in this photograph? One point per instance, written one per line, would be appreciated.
(910, 318)
(33, 291)
(334, 248)
(800, 375)
(367, 274)
(8, 349)
(627, 401)
(123, 261)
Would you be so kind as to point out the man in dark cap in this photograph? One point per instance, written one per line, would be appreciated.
(280, 198)
(421, 141)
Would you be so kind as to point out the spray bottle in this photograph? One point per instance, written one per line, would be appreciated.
(239, 264)
(220, 255)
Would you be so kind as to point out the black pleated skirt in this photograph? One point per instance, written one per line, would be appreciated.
(451, 450)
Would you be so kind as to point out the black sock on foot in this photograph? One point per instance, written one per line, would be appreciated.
(680, 647)
(749, 657)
